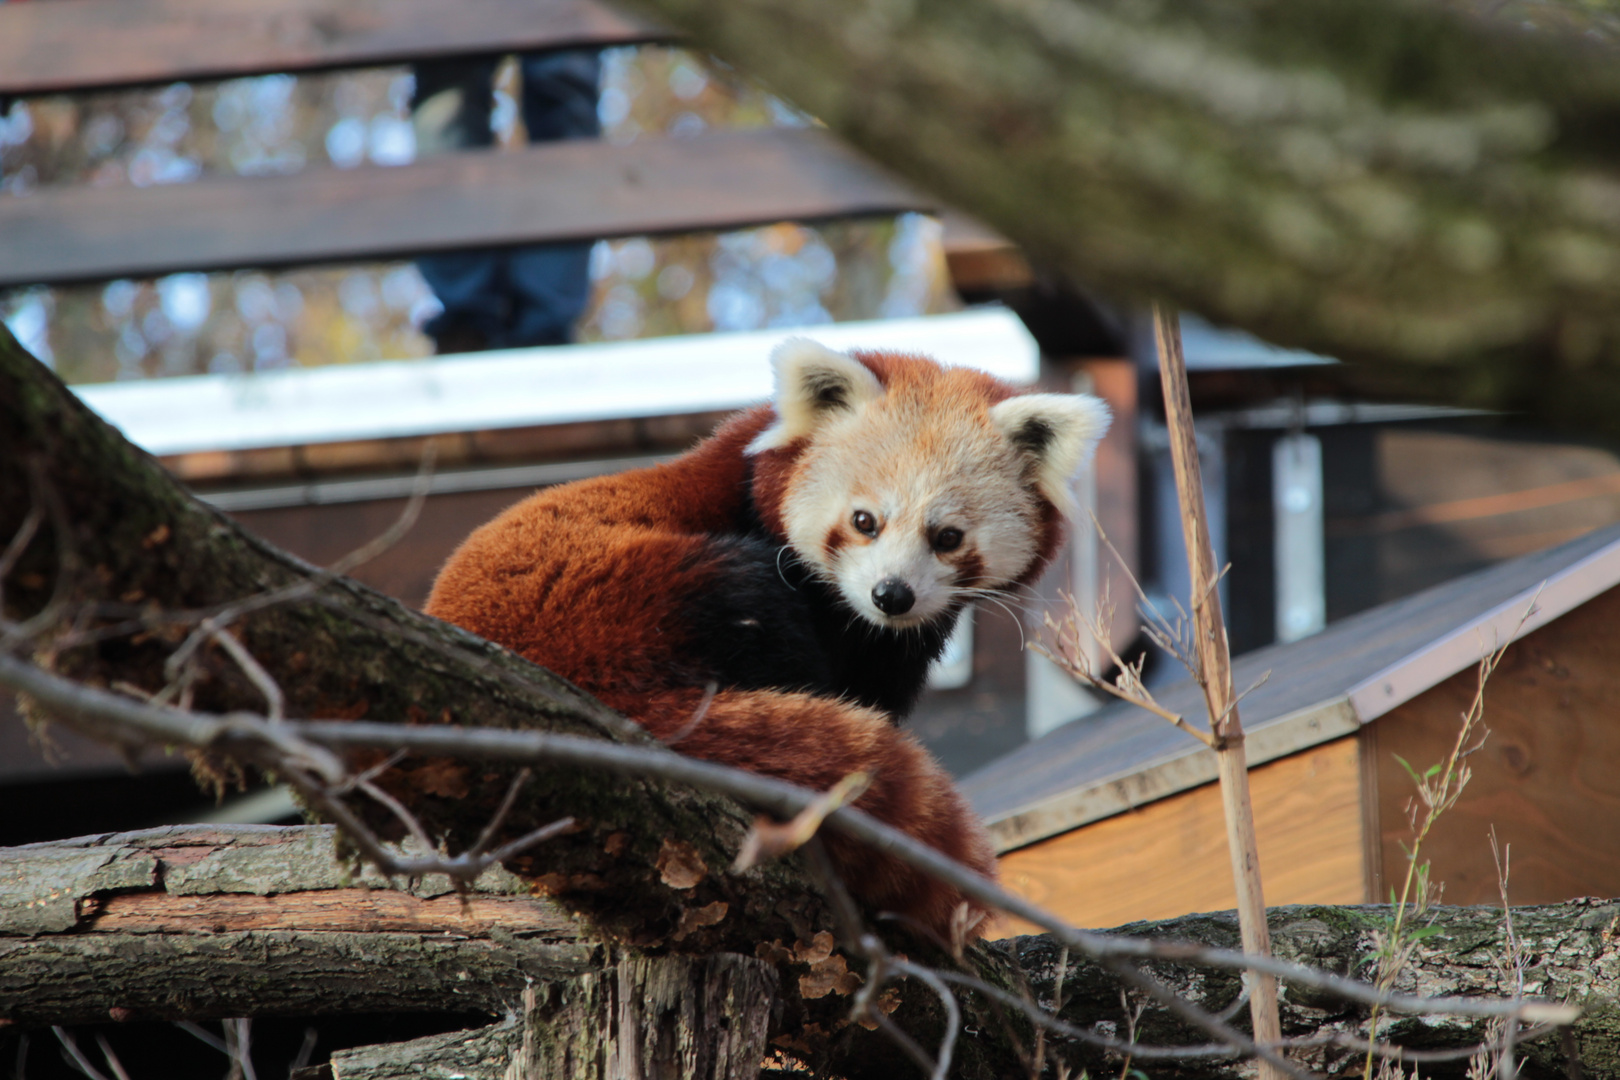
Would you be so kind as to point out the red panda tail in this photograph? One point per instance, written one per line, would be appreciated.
(815, 742)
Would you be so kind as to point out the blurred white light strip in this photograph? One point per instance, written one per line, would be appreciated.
(522, 387)
(1210, 349)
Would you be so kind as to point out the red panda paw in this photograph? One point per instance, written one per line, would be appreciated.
(815, 742)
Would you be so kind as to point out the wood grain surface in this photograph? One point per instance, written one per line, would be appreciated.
(90, 44)
(577, 190)
(370, 911)
(1170, 857)
(1119, 739)
(1546, 778)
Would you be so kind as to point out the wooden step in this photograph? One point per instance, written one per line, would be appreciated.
(579, 190)
(68, 45)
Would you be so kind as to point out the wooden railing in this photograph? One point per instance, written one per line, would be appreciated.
(570, 191)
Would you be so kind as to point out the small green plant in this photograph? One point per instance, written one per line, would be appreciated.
(1438, 789)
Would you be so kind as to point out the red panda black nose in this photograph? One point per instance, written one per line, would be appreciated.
(893, 596)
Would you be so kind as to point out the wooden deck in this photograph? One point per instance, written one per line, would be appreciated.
(99, 44)
(578, 190)
(1121, 757)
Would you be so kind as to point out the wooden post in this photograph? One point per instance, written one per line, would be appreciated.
(1215, 674)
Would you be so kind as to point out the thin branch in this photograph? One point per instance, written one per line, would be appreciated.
(256, 674)
(487, 837)
(111, 1058)
(953, 1012)
(19, 543)
(905, 1042)
(251, 736)
(203, 1034)
(67, 564)
(74, 1056)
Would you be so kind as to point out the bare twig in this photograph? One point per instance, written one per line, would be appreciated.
(202, 1034)
(239, 1036)
(74, 1056)
(256, 674)
(111, 1058)
(67, 564)
(1215, 678)
(99, 712)
(487, 837)
(212, 624)
(19, 543)
(768, 840)
(953, 1012)
(1128, 685)
(1438, 789)
(1132, 1018)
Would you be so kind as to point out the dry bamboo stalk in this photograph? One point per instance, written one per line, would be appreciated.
(1215, 675)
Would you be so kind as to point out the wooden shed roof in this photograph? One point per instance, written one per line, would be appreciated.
(1318, 689)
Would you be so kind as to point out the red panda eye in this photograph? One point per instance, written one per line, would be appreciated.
(865, 523)
(947, 539)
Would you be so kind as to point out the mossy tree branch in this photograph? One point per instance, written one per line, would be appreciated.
(1408, 183)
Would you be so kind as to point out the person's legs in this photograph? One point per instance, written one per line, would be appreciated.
(559, 94)
(551, 284)
(450, 110)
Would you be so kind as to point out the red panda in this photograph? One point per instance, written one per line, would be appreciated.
(810, 558)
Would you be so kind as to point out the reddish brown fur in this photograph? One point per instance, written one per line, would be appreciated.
(584, 579)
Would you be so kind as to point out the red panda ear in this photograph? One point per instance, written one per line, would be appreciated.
(813, 383)
(1057, 434)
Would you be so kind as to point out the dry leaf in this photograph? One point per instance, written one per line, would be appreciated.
(806, 1041)
(774, 952)
(964, 920)
(769, 840)
(442, 777)
(157, 536)
(615, 844)
(697, 918)
(816, 949)
(829, 976)
(886, 1003)
(552, 884)
(679, 865)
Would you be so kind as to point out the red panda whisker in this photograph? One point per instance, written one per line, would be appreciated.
(783, 550)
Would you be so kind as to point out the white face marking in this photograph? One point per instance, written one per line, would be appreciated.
(916, 475)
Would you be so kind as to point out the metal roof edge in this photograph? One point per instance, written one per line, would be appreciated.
(1169, 775)
(1528, 610)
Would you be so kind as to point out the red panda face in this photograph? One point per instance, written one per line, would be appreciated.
(916, 487)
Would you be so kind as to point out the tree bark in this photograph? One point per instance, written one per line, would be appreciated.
(206, 923)
(210, 922)
(1409, 183)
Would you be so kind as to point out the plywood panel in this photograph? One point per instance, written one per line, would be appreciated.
(1170, 858)
(1116, 741)
(1546, 779)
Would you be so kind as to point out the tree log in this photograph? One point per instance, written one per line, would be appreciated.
(210, 922)
(204, 923)
(1411, 183)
